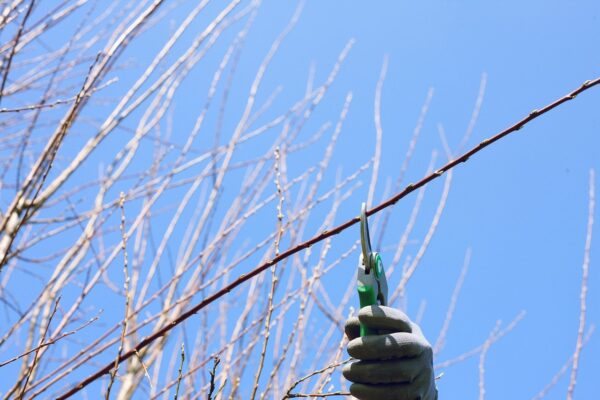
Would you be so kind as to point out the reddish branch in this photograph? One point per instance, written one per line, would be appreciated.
(325, 234)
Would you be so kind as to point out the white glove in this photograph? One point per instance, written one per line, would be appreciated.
(395, 364)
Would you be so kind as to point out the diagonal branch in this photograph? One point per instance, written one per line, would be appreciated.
(326, 234)
(584, 285)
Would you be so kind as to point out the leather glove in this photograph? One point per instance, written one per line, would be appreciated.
(395, 364)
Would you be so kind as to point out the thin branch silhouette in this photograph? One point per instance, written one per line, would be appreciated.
(584, 284)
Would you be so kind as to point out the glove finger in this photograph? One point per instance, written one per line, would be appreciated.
(404, 370)
(381, 317)
(393, 391)
(425, 381)
(352, 328)
(395, 345)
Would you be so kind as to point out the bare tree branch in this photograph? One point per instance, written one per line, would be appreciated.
(161, 332)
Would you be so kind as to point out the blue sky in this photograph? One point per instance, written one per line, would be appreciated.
(520, 205)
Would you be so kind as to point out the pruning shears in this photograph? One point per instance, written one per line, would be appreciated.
(371, 281)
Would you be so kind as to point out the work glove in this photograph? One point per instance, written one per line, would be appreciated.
(394, 364)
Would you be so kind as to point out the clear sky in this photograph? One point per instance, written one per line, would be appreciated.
(520, 206)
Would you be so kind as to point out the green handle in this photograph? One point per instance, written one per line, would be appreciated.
(367, 297)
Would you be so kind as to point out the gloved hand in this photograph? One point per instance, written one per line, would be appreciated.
(395, 364)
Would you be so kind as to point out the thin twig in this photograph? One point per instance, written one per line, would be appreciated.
(267, 329)
(49, 342)
(8, 60)
(475, 113)
(584, 288)
(289, 393)
(56, 102)
(478, 349)
(330, 394)
(378, 131)
(179, 372)
(412, 267)
(542, 393)
(113, 373)
(441, 340)
(406, 160)
(410, 224)
(213, 373)
(146, 373)
(486, 347)
(37, 351)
